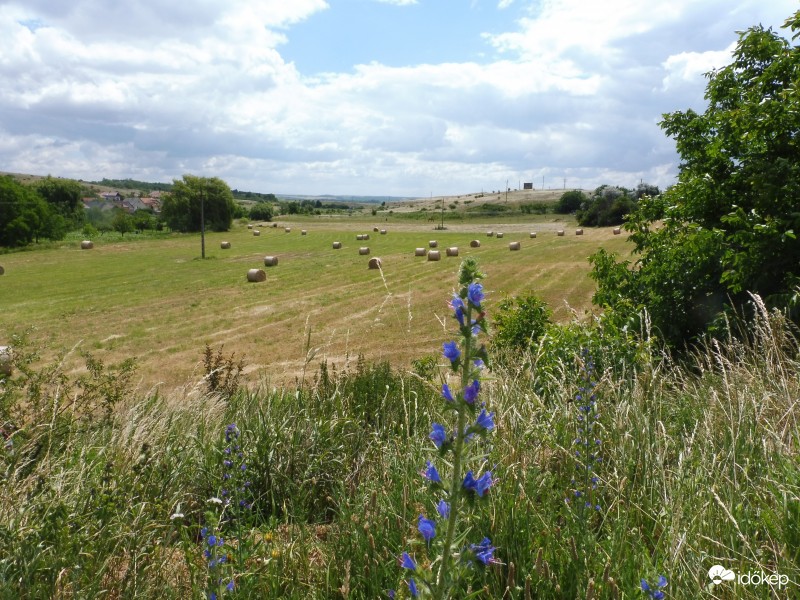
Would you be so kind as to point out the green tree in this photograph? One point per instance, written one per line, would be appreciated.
(65, 195)
(122, 222)
(25, 217)
(570, 201)
(181, 209)
(519, 322)
(261, 212)
(728, 227)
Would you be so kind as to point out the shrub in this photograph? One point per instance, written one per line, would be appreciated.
(520, 322)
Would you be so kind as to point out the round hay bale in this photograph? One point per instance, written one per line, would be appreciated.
(579, 232)
(514, 246)
(86, 245)
(433, 244)
(256, 232)
(366, 236)
(420, 252)
(225, 245)
(287, 229)
(2, 270)
(359, 237)
(250, 226)
(490, 233)
(256, 275)
(363, 251)
(617, 231)
(375, 229)
(383, 232)
(303, 232)
(474, 244)
(274, 224)
(5, 361)
(533, 234)
(270, 261)
(337, 245)
(499, 235)
(374, 263)
(434, 255)
(452, 251)
(560, 233)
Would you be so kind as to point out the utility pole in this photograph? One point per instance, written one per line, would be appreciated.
(543, 182)
(442, 225)
(506, 190)
(202, 222)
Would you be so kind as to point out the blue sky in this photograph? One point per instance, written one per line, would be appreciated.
(365, 97)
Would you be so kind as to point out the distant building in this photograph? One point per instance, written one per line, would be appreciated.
(527, 186)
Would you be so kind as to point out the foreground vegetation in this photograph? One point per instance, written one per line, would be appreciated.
(111, 492)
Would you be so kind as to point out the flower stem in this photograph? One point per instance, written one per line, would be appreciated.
(455, 483)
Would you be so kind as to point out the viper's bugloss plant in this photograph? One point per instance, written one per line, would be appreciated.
(448, 551)
(583, 495)
(655, 591)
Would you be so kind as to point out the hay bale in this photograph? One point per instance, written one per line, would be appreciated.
(433, 244)
(359, 237)
(287, 229)
(533, 234)
(383, 232)
(434, 255)
(420, 252)
(270, 261)
(86, 245)
(250, 226)
(363, 251)
(560, 233)
(256, 275)
(375, 230)
(579, 232)
(490, 233)
(256, 232)
(617, 231)
(303, 232)
(374, 263)
(474, 244)
(2, 270)
(225, 245)
(514, 246)
(5, 361)
(452, 251)
(337, 245)
(274, 224)
(499, 235)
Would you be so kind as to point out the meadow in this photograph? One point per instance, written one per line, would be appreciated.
(154, 300)
(112, 488)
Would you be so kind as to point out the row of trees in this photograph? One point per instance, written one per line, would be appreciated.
(607, 205)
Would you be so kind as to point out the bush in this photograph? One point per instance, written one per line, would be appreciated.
(519, 322)
(570, 202)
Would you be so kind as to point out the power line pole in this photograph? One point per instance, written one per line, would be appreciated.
(202, 223)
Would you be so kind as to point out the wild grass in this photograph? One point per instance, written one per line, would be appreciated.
(699, 467)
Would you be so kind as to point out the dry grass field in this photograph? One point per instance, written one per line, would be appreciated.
(156, 301)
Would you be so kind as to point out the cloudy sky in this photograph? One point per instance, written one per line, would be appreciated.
(365, 97)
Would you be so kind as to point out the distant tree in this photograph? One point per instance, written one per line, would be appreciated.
(143, 220)
(65, 195)
(122, 222)
(729, 226)
(570, 202)
(181, 209)
(261, 212)
(25, 217)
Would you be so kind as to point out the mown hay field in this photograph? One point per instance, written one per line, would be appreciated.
(156, 301)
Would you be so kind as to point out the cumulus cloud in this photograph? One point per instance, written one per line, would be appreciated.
(565, 90)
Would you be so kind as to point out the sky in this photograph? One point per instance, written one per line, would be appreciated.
(404, 98)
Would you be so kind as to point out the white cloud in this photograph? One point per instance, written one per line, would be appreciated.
(398, 2)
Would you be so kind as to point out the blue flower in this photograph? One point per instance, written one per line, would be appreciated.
(212, 540)
(485, 421)
(447, 394)
(438, 435)
(230, 586)
(471, 391)
(457, 304)
(656, 594)
(430, 473)
(451, 351)
(443, 508)
(484, 551)
(412, 587)
(407, 562)
(475, 294)
(480, 485)
(427, 528)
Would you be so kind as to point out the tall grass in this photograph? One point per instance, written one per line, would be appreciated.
(699, 467)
